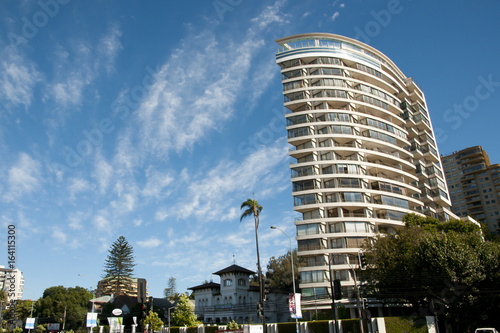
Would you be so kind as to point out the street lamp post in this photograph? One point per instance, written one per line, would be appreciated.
(168, 312)
(293, 275)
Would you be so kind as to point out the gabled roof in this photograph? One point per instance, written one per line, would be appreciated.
(234, 268)
(211, 285)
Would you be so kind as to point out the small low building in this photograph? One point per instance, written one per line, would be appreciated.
(235, 299)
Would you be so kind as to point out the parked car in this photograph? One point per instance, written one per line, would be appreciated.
(486, 330)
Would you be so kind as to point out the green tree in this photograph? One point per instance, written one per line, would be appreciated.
(184, 313)
(40, 329)
(279, 271)
(154, 322)
(22, 310)
(119, 265)
(443, 268)
(58, 300)
(170, 291)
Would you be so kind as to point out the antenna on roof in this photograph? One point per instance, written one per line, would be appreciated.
(234, 260)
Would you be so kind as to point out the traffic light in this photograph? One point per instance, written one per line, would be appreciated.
(143, 311)
(337, 289)
(362, 260)
(267, 288)
(260, 310)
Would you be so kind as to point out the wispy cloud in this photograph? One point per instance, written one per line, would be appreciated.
(103, 172)
(203, 78)
(109, 46)
(208, 197)
(79, 63)
(334, 16)
(18, 77)
(23, 178)
(151, 242)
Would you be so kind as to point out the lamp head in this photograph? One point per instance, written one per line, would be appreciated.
(273, 227)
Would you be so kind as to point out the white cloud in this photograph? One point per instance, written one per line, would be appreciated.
(203, 78)
(79, 64)
(109, 46)
(270, 14)
(151, 242)
(78, 185)
(59, 236)
(18, 77)
(102, 224)
(125, 204)
(76, 220)
(161, 214)
(208, 197)
(24, 177)
(103, 172)
(334, 16)
(156, 183)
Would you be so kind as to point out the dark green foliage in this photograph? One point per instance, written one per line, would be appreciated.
(286, 328)
(119, 264)
(318, 327)
(55, 299)
(443, 268)
(405, 324)
(192, 329)
(433, 225)
(279, 271)
(174, 330)
(210, 329)
(351, 326)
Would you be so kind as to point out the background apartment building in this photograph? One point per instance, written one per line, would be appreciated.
(107, 286)
(474, 185)
(12, 282)
(364, 155)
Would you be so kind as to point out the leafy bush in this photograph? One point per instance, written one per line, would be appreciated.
(318, 327)
(352, 326)
(209, 329)
(286, 328)
(405, 324)
(232, 325)
(192, 329)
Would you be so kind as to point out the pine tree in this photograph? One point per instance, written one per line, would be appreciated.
(119, 265)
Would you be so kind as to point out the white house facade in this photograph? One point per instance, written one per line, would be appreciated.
(234, 299)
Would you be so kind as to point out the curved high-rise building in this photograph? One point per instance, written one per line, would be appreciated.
(364, 155)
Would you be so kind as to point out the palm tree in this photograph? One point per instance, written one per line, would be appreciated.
(253, 208)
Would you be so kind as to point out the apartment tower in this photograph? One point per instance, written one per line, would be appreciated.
(474, 185)
(364, 155)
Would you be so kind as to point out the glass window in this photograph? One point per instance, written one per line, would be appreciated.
(356, 227)
(228, 282)
(308, 229)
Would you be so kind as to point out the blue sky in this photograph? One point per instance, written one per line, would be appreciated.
(156, 120)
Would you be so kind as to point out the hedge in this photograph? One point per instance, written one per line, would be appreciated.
(405, 324)
(318, 326)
